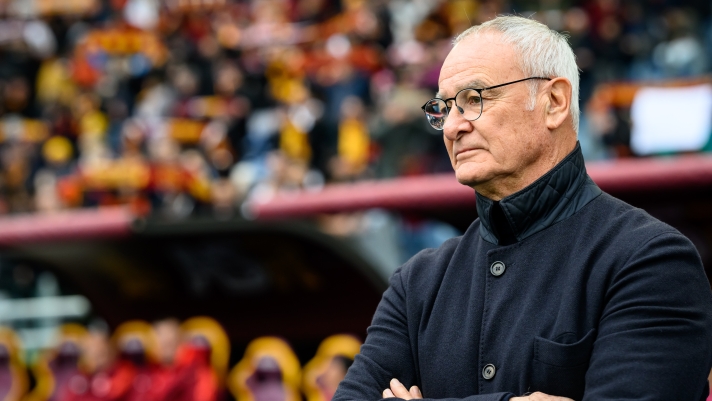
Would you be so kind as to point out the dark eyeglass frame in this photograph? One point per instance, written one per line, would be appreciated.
(479, 91)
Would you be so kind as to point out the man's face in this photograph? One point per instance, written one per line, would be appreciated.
(491, 153)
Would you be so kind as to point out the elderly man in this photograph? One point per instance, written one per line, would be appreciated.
(558, 291)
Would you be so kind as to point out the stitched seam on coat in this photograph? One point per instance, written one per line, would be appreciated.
(545, 183)
(546, 178)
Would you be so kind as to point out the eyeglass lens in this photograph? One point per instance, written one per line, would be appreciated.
(436, 111)
(468, 102)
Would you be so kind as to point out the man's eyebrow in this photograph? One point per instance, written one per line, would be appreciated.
(475, 84)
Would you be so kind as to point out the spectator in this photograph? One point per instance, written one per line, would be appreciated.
(333, 87)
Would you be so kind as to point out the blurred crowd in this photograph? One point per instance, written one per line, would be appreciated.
(169, 360)
(183, 107)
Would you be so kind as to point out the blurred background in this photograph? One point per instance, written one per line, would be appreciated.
(204, 199)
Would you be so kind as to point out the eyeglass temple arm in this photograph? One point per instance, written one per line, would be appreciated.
(514, 82)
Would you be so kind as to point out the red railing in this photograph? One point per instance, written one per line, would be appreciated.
(109, 222)
(621, 176)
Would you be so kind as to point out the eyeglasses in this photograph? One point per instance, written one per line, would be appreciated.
(468, 102)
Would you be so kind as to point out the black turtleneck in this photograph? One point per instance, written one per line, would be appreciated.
(556, 195)
(500, 227)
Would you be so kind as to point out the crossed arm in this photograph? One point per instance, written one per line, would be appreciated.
(398, 390)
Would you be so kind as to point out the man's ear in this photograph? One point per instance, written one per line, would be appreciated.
(559, 102)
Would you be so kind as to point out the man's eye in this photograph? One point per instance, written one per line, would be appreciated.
(474, 100)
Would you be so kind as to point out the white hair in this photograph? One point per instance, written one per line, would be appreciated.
(542, 51)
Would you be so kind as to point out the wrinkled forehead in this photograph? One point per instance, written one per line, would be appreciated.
(482, 58)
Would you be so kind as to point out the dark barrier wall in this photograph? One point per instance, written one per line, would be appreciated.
(255, 278)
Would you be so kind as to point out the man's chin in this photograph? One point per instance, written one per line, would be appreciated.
(470, 180)
(472, 173)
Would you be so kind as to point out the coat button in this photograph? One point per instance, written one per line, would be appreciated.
(497, 269)
(488, 371)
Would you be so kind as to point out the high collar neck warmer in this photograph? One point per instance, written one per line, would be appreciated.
(556, 195)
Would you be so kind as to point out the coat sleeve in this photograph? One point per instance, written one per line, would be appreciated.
(655, 332)
(387, 353)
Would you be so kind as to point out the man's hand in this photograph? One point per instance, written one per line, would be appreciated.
(540, 397)
(398, 390)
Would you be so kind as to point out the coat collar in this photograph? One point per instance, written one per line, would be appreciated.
(556, 195)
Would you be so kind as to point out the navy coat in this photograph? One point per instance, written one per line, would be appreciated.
(558, 288)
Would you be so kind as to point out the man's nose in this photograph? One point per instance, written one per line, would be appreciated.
(456, 125)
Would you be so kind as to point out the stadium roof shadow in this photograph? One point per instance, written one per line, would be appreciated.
(255, 278)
